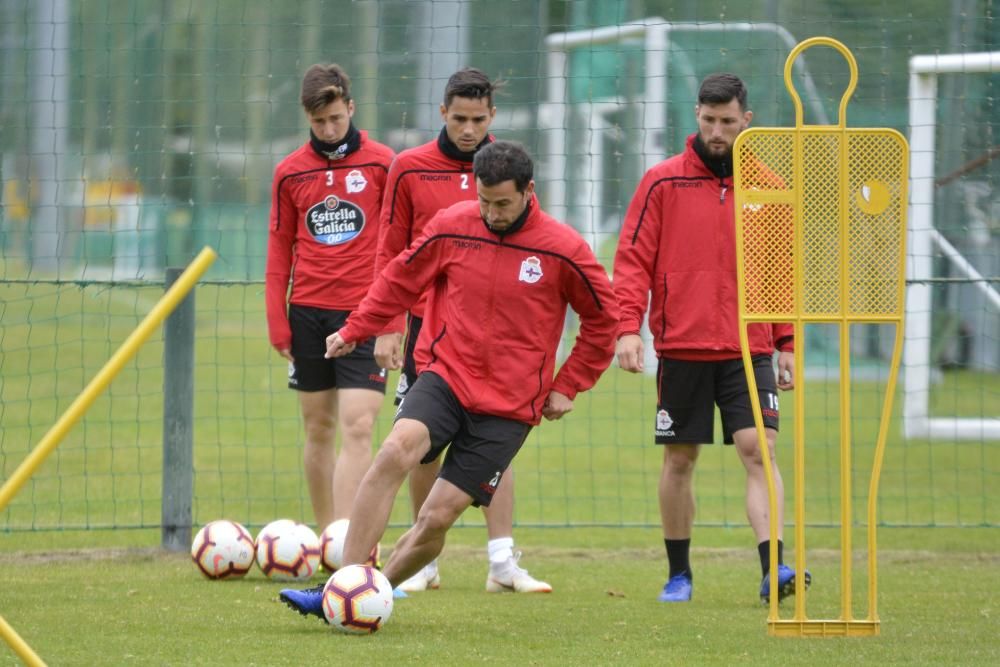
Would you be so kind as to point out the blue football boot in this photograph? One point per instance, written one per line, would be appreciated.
(786, 584)
(677, 589)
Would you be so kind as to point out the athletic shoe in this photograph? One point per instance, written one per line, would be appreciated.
(426, 578)
(398, 594)
(508, 577)
(677, 589)
(308, 602)
(786, 584)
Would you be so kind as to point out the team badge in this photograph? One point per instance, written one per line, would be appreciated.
(355, 181)
(531, 270)
(663, 421)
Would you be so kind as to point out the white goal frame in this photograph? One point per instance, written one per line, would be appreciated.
(923, 237)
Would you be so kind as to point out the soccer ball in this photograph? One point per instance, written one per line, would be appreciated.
(331, 544)
(357, 599)
(287, 551)
(223, 549)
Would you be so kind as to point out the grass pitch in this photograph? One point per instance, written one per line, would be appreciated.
(139, 605)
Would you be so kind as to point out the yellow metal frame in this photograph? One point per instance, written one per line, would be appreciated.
(873, 278)
(166, 305)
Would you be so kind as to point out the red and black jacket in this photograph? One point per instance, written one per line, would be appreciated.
(323, 232)
(495, 316)
(422, 181)
(678, 242)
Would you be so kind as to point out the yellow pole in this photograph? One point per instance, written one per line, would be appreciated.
(160, 311)
(22, 650)
(167, 303)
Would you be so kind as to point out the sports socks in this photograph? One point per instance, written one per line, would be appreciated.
(500, 550)
(678, 555)
(764, 551)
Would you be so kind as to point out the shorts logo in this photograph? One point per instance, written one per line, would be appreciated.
(491, 486)
(399, 407)
(531, 270)
(291, 374)
(335, 221)
(663, 423)
(355, 181)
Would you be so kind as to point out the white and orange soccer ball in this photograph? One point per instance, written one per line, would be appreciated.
(331, 544)
(223, 550)
(287, 551)
(357, 599)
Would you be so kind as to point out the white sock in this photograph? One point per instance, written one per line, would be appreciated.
(500, 550)
(431, 568)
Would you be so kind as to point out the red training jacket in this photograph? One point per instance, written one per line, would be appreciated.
(496, 315)
(422, 181)
(324, 231)
(679, 242)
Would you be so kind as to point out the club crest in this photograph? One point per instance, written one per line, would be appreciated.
(531, 270)
(355, 181)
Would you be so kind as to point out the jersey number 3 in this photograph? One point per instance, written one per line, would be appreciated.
(329, 177)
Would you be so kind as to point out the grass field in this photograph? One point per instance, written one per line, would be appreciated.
(586, 514)
(118, 606)
(597, 467)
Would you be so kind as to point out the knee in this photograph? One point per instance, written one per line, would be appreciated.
(319, 427)
(749, 449)
(398, 454)
(680, 462)
(433, 522)
(358, 429)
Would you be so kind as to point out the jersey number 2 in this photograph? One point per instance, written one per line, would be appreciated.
(465, 181)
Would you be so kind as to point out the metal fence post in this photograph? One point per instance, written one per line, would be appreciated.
(178, 422)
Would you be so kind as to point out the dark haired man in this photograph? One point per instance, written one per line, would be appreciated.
(501, 274)
(422, 181)
(325, 205)
(678, 243)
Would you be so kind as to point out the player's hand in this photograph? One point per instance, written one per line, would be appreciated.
(786, 371)
(286, 353)
(336, 347)
(556, 405)
(629, 351)
(388, 351)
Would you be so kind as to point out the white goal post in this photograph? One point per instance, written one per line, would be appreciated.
(917, 422)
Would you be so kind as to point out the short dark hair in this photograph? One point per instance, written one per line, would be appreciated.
(470, 83)
(722, 88)
(323, 84)
(503, 161)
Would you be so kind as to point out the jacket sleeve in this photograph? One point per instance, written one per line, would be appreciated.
(783, 336)
(589, 293)
(636, 255)
(398, 287)
(278, 269)
(395, 225)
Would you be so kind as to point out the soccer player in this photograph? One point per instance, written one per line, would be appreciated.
(678, 243)
(325, 204)
(502, 273)
(422, 181)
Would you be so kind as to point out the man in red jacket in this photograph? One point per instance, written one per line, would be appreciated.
(678, 243)
(325, 204)
(422, 181)
(502, 273)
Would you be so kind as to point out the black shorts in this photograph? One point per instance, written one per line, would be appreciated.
(408, 375)
(311, 372)
(482, 446)
(688, 392)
